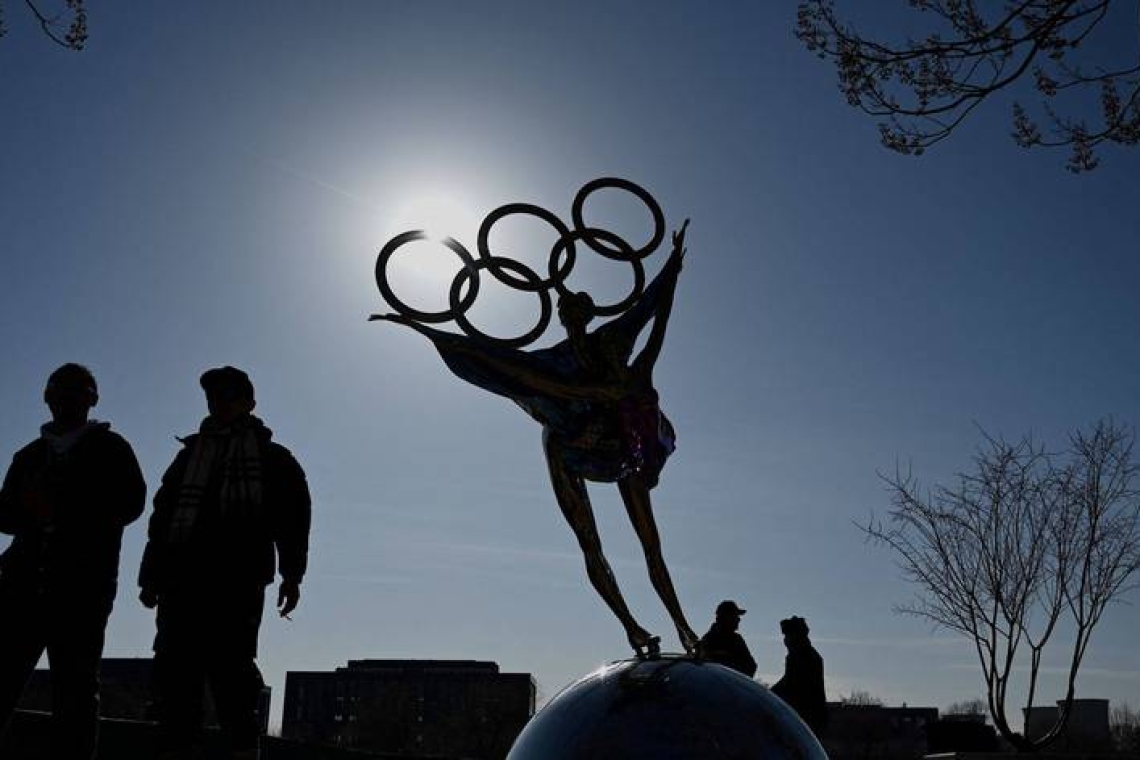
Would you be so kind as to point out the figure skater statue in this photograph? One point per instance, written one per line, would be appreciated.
(599, 412)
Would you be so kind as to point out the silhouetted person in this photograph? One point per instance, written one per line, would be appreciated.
(722, 644)
(802, 684)
(232, 507)
(65, 500)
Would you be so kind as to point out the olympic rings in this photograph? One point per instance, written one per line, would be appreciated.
(642, 194)
(514, 274)
(428, 317)
(556, 276)
(491, 264)
(626, 253)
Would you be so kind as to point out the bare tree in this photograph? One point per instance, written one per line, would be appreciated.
(925, 88)
(1124, 726)
(67, 28)
(1019, 544)
(975, 706)
(859, 698)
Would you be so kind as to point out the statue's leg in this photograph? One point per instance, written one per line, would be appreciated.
(635, 494)
(570, 491)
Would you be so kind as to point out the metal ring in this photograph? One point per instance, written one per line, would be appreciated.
(627, 254)
(499, 272)
(516, 275)
(458, 307)
(642, 194)
(502, 262)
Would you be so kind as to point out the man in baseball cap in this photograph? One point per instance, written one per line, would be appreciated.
(723, 645)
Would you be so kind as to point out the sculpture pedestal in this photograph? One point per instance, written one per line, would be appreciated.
(666, 708)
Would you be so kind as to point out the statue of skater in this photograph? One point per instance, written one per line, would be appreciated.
(600, 420)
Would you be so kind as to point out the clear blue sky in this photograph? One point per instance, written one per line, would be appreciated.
(209, 183)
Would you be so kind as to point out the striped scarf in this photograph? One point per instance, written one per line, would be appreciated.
(233, 448)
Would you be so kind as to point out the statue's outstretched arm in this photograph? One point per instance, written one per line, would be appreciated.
(654, 303)
(663, 307)
(506, 371)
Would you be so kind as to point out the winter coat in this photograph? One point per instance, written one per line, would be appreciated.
(726, 647)
(67, 511)
(225, 551)
(802, 686)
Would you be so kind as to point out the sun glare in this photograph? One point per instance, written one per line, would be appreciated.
(422, 271)
(440, 215)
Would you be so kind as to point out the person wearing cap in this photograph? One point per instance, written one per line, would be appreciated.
(722, 644)
(232, 510)
(802, 684)
(66, 499)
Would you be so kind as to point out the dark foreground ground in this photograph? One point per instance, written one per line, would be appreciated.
(27, 738)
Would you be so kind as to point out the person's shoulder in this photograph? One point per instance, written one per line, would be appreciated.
(275, 449)
(185, 446)
(105, 436)
(31, 449)
(187, 441)
(714, 634)
(281, 456)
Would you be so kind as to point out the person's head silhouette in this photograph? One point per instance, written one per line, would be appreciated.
(795, 630)
(728, 614)
(70, 394)
(229, 393)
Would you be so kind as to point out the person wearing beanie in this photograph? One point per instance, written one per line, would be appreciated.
(233, 511)
(802, 684)
(65, 501)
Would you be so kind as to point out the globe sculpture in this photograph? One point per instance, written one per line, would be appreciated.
(666, 708)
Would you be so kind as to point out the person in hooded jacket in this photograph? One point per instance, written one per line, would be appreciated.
(233, 509)
(66, 499)
(802, 683)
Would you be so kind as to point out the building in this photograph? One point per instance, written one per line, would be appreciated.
(1086, 728)
(875, 732)
(417, 707)
(126, 692)
(962, 732)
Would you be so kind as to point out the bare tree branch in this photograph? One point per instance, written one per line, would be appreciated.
(53, 26)
(926, 88)
(1022, 541)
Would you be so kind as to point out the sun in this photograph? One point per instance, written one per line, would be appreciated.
(421, 272)
(440, 214)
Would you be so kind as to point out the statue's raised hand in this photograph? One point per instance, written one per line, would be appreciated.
(679, 249)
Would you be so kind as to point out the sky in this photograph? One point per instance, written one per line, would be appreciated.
(210, 183)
